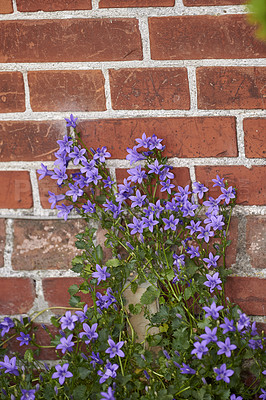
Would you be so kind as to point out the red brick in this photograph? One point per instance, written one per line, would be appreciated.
(56, 291)
(231, 87)
(15, 190)
(249, 293)
(183, 137)
(192, 3)
(70, 40)
(144, 89)
(42, 244)
(30, 140)
(255, 137)
(16, 295)
(250, 183)
(67, 91)
(231, 251)
(135, 3)
(6, 7)
(255, 241)
(12, 95)
(2, 241)
(47, 184)
(51, 5)
(204, 36)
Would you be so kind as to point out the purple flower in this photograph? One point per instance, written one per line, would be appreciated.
(200, 189)
(213, 282)
(89, 207)
(186, 369)
(155, 168)
(114, 349)
(212, 311)
(82, 314)
(263, 395)
(100, 274)
(74, 191)
(218, 181)
(215, 222)
(223, 373)
(88, 167)
(233, 396)
(68, 321)
(62, 373)
(109, 395)
(27, 394)
(71, 121)
(211, 261)
(166, 173)
(77, 155)
(243, 321)
(9, 365)
(64, 211)
(227, 194)
(101, 154)
(143, 142)
(194, 227)
(66, 344)
(65, 144)
(200, 349)
(205, 233)
(24, 338)
(138, 200)
(43, 172)
(155, 143)
(209, 335)
(212, 204)
(255, 344)
(137, 175)
(108, 182)
(149, 222)
(6, 325)
(166, 354)
(136, 226)
(226, 347)
(167, 186)
(93, 176)
(90, 332)
(170, 223)
(110, 372)
(134, 155)
(95, 359)
(193, 251)
(60, 175)
(228, 325)
(53, 199)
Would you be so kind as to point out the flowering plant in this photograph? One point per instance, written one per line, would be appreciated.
(167, 242)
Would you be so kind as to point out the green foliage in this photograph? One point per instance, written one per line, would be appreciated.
(257, 9)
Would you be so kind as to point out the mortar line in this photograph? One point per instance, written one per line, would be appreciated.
(145, 38)
(35, 192)
(192, 84)
(27, 91)
(107, 89)
(240, 136)
(15, 9)
(8, 247)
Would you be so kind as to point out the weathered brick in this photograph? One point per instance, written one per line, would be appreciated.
(51, 5)
(231, 87)
(16, 295)
(135, 3)
(56, 291)
(67, 91)
(191, 3)
(250, 183)
(30, 140)
(231, 251)
(6, 7)
(183, 137)
(144, 89)
(12, 95)
(47, 184)
(256, 241)
(249, 293)
(204, 36)
(2, 241)
(42, 244)
(15, 189)
(255, 137)
(70, 40)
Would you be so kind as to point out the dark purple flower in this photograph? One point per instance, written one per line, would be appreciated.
(223, 373)
(213, 311)
(66, 344)
(108, 182)
(137, 174)
(109, 395)
(167, 186)
(5, 325)
(89, 207)
(205, 233)
(134, 155)
(136, 226)
(200, 189)
(200, 349)
(101, 154)
(9, 365)
(194, 227)
(53, 199)
(110, 372)
(114, 349)
(209, 335)
(138, 200)
(27, 394)
(71, 121)
(77, 155)
(43, 172)
(170, 223)
(227, 194)
(95, 359)
(186, 369)
(228, 325)
(62, 373)
(24, 339)
(90, 332)
(149, 222)
(211, 261)
(193, 251)
(68, 321)
(64, 211)
(243, 322)
(226, 347)
(100, 274)
(255, 344)
(166, 354)
(218, 181)
(213, 282)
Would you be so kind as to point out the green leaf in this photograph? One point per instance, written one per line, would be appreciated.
(135, 309)
(204, 323)
(48, 392)
(150, 295)
(188, 293)
(99, 253)
(83, 372)
(113, 262)
(79, 392)
(28, 356)
(74, 301)
(134, 287)
(73, 289)
(55, 322)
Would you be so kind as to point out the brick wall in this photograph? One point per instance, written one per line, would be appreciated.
(190, 71)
